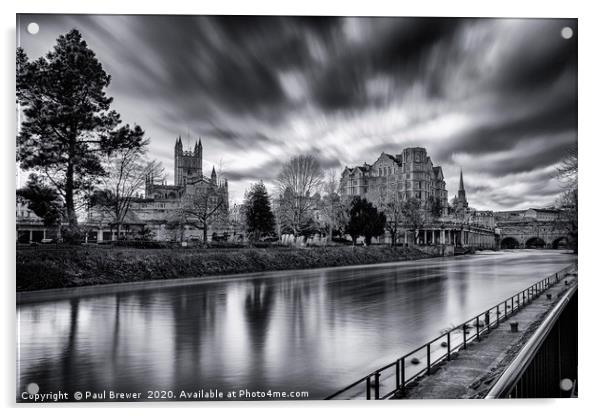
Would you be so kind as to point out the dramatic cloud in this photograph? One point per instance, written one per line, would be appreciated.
(495, 97)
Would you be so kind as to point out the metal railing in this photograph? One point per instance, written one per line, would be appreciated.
(549, 357)
(396, 376)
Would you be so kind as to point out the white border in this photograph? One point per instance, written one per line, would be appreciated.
(590, 22)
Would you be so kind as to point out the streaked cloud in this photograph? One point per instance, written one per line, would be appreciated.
(495, 97)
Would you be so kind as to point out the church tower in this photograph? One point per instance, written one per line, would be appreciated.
(461, 201)
(187, 163)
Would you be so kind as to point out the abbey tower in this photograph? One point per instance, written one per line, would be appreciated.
(187, 163)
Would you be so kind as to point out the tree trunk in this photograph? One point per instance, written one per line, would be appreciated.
(205, 232)
(69, 202)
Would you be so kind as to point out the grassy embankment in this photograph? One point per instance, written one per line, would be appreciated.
(49, 269)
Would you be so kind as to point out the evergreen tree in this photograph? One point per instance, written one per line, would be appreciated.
(42, 200)
(365, 220)
(258, 211)
(67, 122)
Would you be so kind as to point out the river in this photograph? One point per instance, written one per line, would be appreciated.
(309, 331)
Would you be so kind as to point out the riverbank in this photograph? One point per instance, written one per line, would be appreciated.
(85, 266)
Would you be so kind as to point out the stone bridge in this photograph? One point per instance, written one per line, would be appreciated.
(533, 234)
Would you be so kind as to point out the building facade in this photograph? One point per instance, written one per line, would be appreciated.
(409, 174)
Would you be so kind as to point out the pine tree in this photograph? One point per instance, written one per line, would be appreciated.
(67, 121)
(258, 212)
(365, 220)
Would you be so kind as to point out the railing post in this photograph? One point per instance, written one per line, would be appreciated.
(428, 359)
(403, 374)
(523, 298)
(377, 386)
(464, 334)
(478, 331)
(512, 303)
(506, 309)
(448, 346)
(497, 312)
(368, 388)
(487, 320)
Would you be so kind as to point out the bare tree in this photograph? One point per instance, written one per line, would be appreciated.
(127, 173)
(236, 219)
(567, 171)
(387, 200)
(413, 218)
(332, 206)
(299, 179)
(568, 202)
(206, 207)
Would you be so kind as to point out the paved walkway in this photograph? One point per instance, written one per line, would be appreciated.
(473, 371)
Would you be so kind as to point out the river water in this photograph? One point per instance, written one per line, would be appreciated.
(312, 330)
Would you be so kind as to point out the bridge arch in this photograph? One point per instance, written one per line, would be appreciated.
(535, 242)
(560, 243)
(509, 243)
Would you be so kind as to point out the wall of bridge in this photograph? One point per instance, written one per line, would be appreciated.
(523, 233)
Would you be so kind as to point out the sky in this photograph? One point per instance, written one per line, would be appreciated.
(496, 98)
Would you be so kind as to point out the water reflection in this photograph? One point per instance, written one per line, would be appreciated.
(313, 330)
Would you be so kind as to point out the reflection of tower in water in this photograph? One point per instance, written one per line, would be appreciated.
(193, 318)
(259, 302)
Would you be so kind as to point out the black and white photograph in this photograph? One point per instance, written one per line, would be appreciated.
(230, 208)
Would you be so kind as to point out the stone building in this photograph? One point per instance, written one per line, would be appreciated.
(410, 174)
(527, 215)
(172, 211)
(31, 228)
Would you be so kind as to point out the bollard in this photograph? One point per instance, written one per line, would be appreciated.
(448, 346)
(513, 326)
